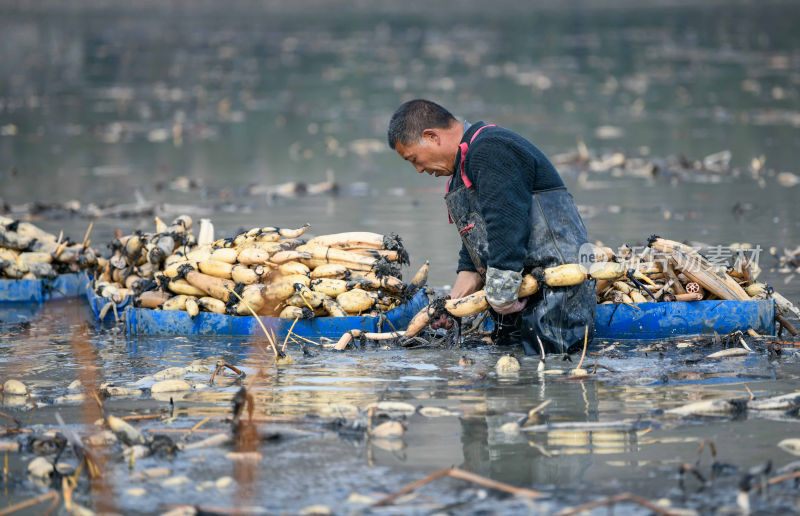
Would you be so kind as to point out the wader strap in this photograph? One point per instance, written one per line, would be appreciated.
(464, 146)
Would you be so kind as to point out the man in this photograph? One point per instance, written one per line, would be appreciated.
(514, 216)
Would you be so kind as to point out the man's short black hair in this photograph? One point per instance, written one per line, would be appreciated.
(415, 116)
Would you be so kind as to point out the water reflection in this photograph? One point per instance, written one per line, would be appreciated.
(490, 450)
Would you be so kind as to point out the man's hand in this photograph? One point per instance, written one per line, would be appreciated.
(466, 283)
(510, 307)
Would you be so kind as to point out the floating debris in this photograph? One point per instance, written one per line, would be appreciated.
(790, 445)
(137, 451)
(9, 446)
(512, 428)
(782, 402)
(40, 468)
(343, 410)
(590, 426)
(224, 482)
(436, 412)
(114, 391)
(388, 430)
(787, 179)
(359, 499)
(75, 386)
(507, 365)
(15, 388)
(393, 408)
(243, 456)
(465, 361)
(172, 372)
(170, 386)
(209, 442)
(150, 473)
(175, 481)
(609, 132)
(728, 353)
(717, 407)
(77, 397)
(101, 439)
(126, 432)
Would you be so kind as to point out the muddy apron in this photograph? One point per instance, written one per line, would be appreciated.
(556, 315)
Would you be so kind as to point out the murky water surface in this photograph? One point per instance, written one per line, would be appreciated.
(111, 104)
(308, 459)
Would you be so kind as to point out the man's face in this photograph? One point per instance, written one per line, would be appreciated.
(427, 155)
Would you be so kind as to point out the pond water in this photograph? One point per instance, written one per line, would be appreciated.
(307, 460)
(192, 108)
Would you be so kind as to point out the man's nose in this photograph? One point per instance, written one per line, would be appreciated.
(419, 168)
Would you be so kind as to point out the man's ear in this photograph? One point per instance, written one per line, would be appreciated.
(431, 136)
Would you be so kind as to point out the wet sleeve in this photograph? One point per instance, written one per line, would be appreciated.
(465, 261)
(501, 178)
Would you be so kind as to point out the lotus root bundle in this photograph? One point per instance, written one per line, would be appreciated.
(268, 271)
(665, 271)
(29, 252)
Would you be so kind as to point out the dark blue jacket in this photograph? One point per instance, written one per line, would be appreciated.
(505, 169)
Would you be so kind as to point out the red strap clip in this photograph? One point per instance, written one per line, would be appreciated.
(466, 228)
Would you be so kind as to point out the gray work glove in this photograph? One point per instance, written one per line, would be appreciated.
(502, 288)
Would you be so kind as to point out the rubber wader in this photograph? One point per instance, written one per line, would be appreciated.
(556, 315)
